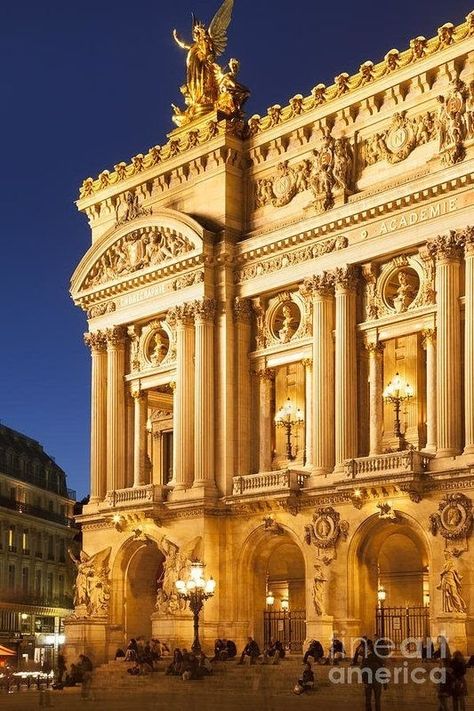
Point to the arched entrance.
(390, 587)
(276, 565)
(136, 572)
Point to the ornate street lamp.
(289, 416)
(196, 591)
(381, 597)
(269, 596)
(396, 392)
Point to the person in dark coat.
(306, 680)
(459, 686)
(314, 650)
(370, 665)
(251, 650)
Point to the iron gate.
(399, 623)
(288, 627)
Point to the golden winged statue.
(208, 87)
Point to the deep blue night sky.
(87, 84)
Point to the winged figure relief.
(205, 80)
(92, 580)
(174, 567)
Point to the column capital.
(137, 394)
(318, 285)
(469, 241)
(204, 310)
(446, 248)
(242, 309)
(181, 315)
(96, 340)
(346, 278)
(375, 347)
(265, 374)
(115, 336)
(428, 335)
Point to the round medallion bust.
(401, 289)
(158, 347)
(286, 321)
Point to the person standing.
(85, 666)
(459, 686)
(371, 666)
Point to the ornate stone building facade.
(36, 530)
(251, 290)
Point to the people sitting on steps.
(251, 652)
(305, 681)
(273, 652)
(315, 650)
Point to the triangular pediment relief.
(138, 249)
(169, 242)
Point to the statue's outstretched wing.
(219, 25)
(191, 551)
(100, 560)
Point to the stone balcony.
(405, 463)
(136, 496)
(283, 481)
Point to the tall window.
(11, 576)
(167, 439)
(26, 541)
(25, 580)
(38, 581)
(49, 586)
(11, 539)
(62, 551)
(61, 586)
(50, 547)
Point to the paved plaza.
(231, 688)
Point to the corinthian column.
(429, 344)
(183, 416)
(139, 437)
(115, 408)
(308, 399)
(242, 319)
(204, 314)
(469, 342)
(266, 377)
(447, 252)
(375, 397)
(346, 365)
(322, 402)
(98, 345)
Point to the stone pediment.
(167, 242)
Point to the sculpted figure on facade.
(453, 123)
(176, 559)
(451, 586)
(208, 87)
(319, 585)
(137, 250)
(130, 209)
(92, 587)
(332, 172)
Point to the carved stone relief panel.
(152, 346)
(403, 284)
(284, 318)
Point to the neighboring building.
(36, 530)
(312, 254)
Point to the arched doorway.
(390, 586)
(136, 572)
(277, 565)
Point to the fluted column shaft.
(322, 375)
(266, 378)
(115, 408)
(346, 366)
(98, 346)
(308, 424)
(448, 371)
(469, 344)
(184, 401)
(375, 397)
(242, 318)
(429, 343)
(139, 437)
(204, 313)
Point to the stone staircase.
(233, 680)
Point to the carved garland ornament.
(400, 139)
(137, 250)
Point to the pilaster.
(140, 436)
(375, 350)
(447, 253)
(98, 345)
(204, 439)
(469, 342)
(345, 279)
(115, 408)
(183, 412)
(243, 320)
(429, 344)
(266, 377)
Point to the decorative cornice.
(344, 84)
